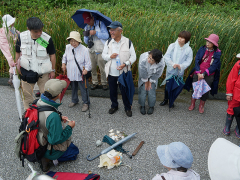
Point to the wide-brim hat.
(8, 20)
(175, 155)
(213, 38)
(224, 160)
(238, 55)
(75, 35)
(55, 86)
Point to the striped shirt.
(82, 57)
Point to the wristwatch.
(53, 70)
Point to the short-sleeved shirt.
(50, 48)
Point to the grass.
(146, 29)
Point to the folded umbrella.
(78, 18)
(126, 80)
(174, 87)
(200, 88)
(65, 78)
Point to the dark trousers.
(113, 87)
(209, 80)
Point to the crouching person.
(177, 158)
(53, 129)
(150, 68)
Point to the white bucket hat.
(238, 55)
(75, 35)
(224, 160)
(8, 20)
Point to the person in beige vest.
(120, 55)
(54, 128)
(37, 59)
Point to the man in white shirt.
(119, 47)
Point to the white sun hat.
(238, 55)
(8, 20)
(224, 160)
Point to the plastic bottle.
(115, 159)
(118, 61)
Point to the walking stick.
(85, 80)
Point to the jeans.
(142, 93)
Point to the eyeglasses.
(113, 30)
(73, 41)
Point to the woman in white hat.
(77, 55)
(8, 36)
(177, 158)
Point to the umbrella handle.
(88, 157)
(84, 77)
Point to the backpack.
(27, 146)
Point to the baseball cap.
(175, 155)
(87, 17)
(55, 86)
(115, 25)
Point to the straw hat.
(8, 20)
(224, 160)
(213, 38)
(75, 35)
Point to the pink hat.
(86, 17)
(213, 38)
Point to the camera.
(90, 42)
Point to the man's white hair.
(119, 28)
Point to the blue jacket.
(214, 67)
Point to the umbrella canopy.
(110, 141)
(78, 18)
(174, 87)
(126, 80)
(200, 88)
(16, 84)
(65, 78)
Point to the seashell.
(113, 137)
(99, 143)
(111, 134)
(118, 132)
(111, 131)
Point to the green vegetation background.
(148, 23)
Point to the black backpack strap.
(163, 177)
(49, 108)
(109, 39)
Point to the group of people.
(36, 60)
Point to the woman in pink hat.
(207, 67)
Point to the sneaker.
(105, 87)
(129, 113)
(142, 110)
(112, 110)
(94, 86)
(72, 104)
(150, 110)
(45, 164)
(84, 107)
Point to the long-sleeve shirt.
(82, 57)
(102, 34)
(115, 49)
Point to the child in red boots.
(233, 97)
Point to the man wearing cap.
(95, 35)
(121, 47)
(51, 125)
(8, 35)
(38, 58)
(177, 158)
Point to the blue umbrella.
(126, 81)
(78, 18)
(174, 87)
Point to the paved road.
(198, 131)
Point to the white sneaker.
(85, 107)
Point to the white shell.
(118, 132)
(111, 134)
(99, 143)
(113, 137)
(111, 131)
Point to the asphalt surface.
(197, 131)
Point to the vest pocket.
(41, 51)
(24, 49)
(45, 66)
